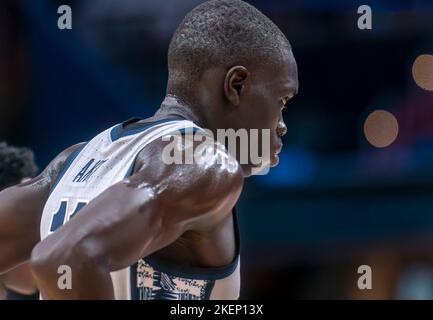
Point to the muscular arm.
(21, 208)
(133, 219)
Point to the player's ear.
(235, 84)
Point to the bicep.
(143, 214)
(114, 229)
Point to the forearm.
(83, 278)
(93, 244)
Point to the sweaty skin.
(182, 213)
(134, 218)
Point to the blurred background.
(355, 181)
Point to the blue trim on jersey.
(182, 131)
(190, 130)
(133, 281)
(198, 273)
(131, 168)
(209, 290)
(118, 131)
(66, 165)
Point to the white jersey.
(106, 160)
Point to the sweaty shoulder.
(191, 174)
(49, 175)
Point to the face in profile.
(262, 103)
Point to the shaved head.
(231, 67)
(222, 33)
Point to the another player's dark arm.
(132, 219)
(21, 208)
(20, 280)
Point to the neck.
(173, 105)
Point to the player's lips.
(276, 159)
(278, 149)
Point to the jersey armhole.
(66, 165)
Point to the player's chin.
(252, 169)
(275, 160)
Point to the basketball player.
(16, 165)
(128, 225)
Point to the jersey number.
(60, 215)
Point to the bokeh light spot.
(422, 71)
(381, 128)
